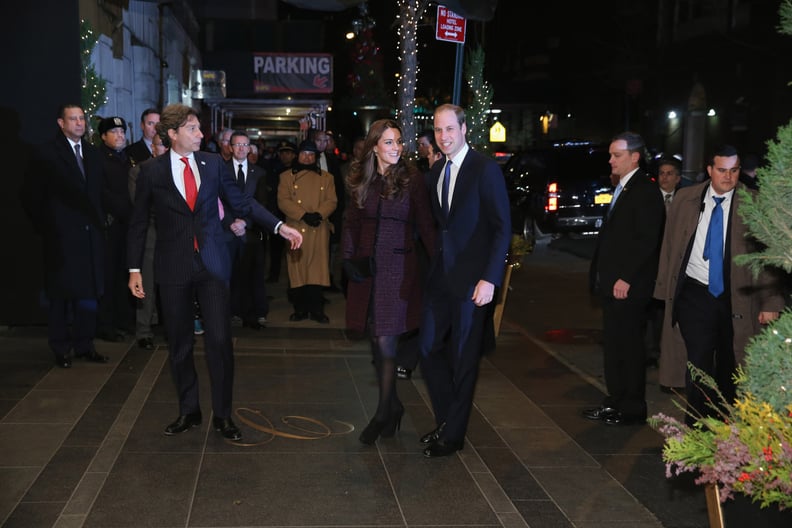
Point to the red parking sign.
(450, 26)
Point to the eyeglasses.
(240, 145)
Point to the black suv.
(563, 188)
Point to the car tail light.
(552, 197)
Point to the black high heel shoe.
(372, 431)
(393, 424)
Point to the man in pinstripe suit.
(191, 258)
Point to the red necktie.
(190, 190)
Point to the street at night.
(400, 263)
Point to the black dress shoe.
(146, 343)
(599, 413)
(618, 418)
(63, 361)
(226, 428)
(403, 373)
(183, 423)
(298, 316)
(433, 436)
(320, 317)
(442, 448)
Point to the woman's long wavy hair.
(364, 171)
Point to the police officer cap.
(109, 123)
(286, 145)
(308, 146)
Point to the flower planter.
(740, 512)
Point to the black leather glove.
(312, 219)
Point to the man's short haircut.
(240, 133)
(673, 162)
(62, 109)
(635, 143)
(429, 135)
(723, 151)
(171, 118)
(148, 111)
(460, 113)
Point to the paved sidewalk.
(84, 447)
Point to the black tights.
(384, 351)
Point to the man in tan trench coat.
(716, 326)
(307, 196)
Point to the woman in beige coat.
(307, 196)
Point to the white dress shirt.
(177, 169)
(456, 163)
(697, 267)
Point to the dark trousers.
(146, 308)
(80, 314)
(451, 348)
(308, 299)
(178, 308)
(248, 280)
(276, 243)
(706, 326)
(623, 323)
(654, 328)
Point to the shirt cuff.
(132, 270)
(277, 227)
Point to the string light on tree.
(407, 31)
(94, 87)
(480, 100)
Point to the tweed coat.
(307, 191)
(388, 229)
(66, 209)
(749, 296)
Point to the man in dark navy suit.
(471, 207)
(142, 149)
(623, 271)
(62, 195)
(191, 258)
(248, 279)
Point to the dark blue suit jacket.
(177, 225)
(628, 246)
(255, 187)
(474, 240)
(66, 210)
